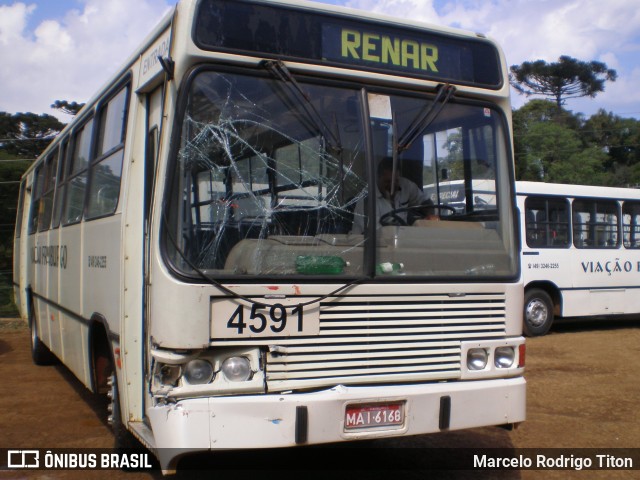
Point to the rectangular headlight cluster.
(492, 358)
(220, 371)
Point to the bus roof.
(568, 190)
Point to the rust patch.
(118, 359)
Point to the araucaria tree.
(566, 78)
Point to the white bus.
(580, 252)
(185, 243)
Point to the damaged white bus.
(187, 243)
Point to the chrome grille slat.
(413, 306)
(323, 365)
(342, 339)
(454, 366)
(433, 317)
(375, 329)
(372, 347)
(366, 353)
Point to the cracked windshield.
(276, 176)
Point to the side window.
(18, 230)
(631, 224)
(547, 222)
(106, 170)
(46, 201)
(595, 223)
(61, 188)
(36, 193)
(76, 182)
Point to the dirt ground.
(583, 390)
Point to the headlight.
(237, 369)
(477, 358)
(505, 356)
(169, 374)
(198, 372)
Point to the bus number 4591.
(262, 316)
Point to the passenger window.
(46, 201)
(18, 229)
(595, 223)
(106, 171)
(36, 193)
(77, 182)
(61, 187)
(547, 222)
(631, 224)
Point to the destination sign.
(369, 47)
(287, 32)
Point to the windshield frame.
(369, 255)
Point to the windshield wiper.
(419, 124)
(424, 119)
(282, 73)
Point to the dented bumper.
(268, 421)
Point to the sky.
(66, 49)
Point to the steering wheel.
(393, 217)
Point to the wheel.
(123, 439)
(538, 313)
(40, 353)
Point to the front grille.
(392, 339)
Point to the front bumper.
(283, 420)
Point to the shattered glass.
(271, 180)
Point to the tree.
(619, 138)
(585, 167)
(70, 108)
(543, 135)
(26, 135)
(9, 128)
(566, 78)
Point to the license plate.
(359, 416)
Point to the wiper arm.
(282, 73)
(424, 119)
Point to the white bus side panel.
(52, 273)
(605, 282)
(591, 282)
(73, 329)
(101, 265)
(42, 263)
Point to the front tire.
(538, 313)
